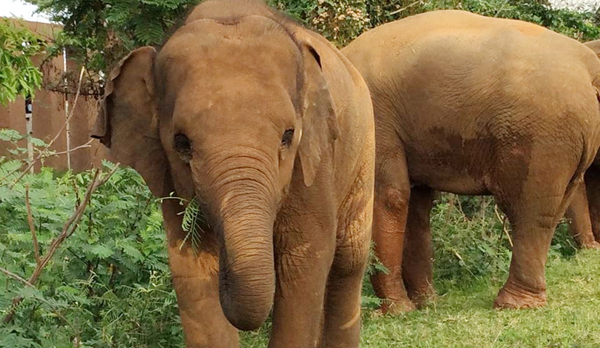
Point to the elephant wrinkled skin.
(584, 210)
(271, 129)
(475, 105)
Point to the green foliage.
(471, 241)
(99, 32)
(18, 75)
(339, 21)
(108, 285)
(191, 222)
(342, 21)
(468, 243)
(578, 25)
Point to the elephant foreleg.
(341, 326)
(196, 283)
(417, 263)
(302, 261)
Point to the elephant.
(476, 106)
(271, 130)
(584, 210)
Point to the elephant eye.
(288, 136)
(183, 146)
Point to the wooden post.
(29, 130)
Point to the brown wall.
(49, 115)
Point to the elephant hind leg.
(580, 223)
(592, 183)
(417, 261)
(534, 216)
(392, 193)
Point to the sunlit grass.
(463, 315)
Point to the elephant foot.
(394, 307)
(423, 297)
(591, 245)
(519, 299)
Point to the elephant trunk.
(247, 273)
(243, 214)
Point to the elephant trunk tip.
(247, 288)
(244, 318)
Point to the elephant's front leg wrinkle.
(302, 267)
(344, 287)
(389, 223)
(196, 283)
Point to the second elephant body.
(476, 106)
(584, 211)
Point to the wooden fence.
(50, 110)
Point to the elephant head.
(232, 111)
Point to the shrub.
(108, 284)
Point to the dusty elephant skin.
(475, 105)
(272, 130)
(584, 210)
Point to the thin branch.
(72, 110)
(86, 145)
(405, 8)
(76, 190)
(44, 155)
(36, 245)
(503, 221)
(501, 8)
(15, 277)
(68, 229)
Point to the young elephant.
(271, 129)
(476, 106)
(584, 210)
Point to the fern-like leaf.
(192, 218)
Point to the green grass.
(463, 315)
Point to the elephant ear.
(319, 120)
(127, 120)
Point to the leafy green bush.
(99, 32)
(18, 75)
(471, 241)
(108, 284)
(342, 21)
